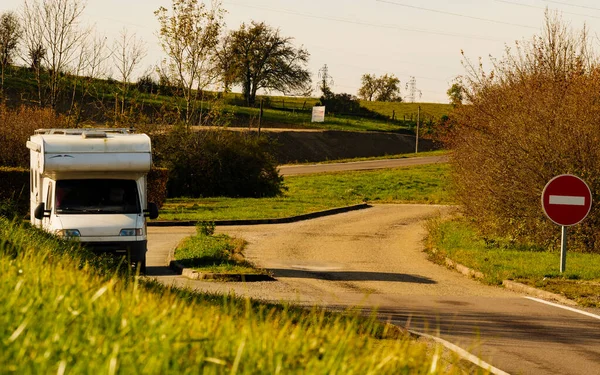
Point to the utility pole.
(417, 138)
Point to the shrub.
(534, 117)
(341, 103)
(14, 192)
(16, 125)
(217, 163)
(157, 185)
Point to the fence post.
(260, 115)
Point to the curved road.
(291, 170)
(373, 258)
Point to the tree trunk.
(246, 92)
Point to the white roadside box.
(90, 185)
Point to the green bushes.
(217, 163)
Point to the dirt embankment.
(315, 146)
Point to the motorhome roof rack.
(86, 130)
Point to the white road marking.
(567, 200)
(565, 307)
(463, 353)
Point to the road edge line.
(462, 353)
(588, 314)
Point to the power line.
(362, 23)
(455, 14)
(571, 5)
(536, 7)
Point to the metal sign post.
(566, 200)
(563, 249)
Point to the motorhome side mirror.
(40, 211)
(152, 211)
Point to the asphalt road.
(291, 170)
(373, 259)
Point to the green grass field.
(63, 311)
(279, 111)
(310, 193)
(500, 260)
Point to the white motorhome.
(90, 185)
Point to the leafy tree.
(388, 89)
(368, 88)
(385, 88)
(262, 58)
(455, 93)
(10, 34)
(189, 34)
(225, 63)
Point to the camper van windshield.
(97, 196)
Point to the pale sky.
(407, 38)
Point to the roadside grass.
(62, 313)
(311, 193)
(384, 157)
(499, 259)
(219, 254)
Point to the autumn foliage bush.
(534, 116)
(157, 185)
(16, 125)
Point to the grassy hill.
(96, 101)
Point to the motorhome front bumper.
(136, 250)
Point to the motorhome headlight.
(69, 233)
(131, 232)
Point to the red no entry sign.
(566, 200)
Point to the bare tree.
(53, 27)
(34, 46)
(128, 52)
(189, 34)
(89, 65)
(10, 34)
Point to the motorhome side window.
(97, 196)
